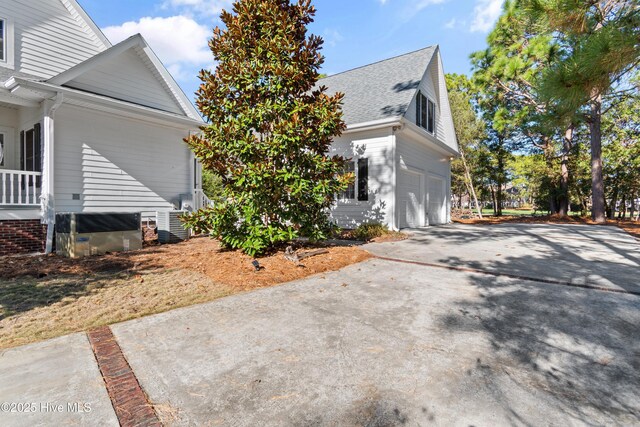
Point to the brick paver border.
(129, 401)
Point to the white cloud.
(178, 41)
(413, 7)
(200, 7)
(332, 37)
(485, 14)
(451, 24)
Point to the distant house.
(401, 140)
(84, 126)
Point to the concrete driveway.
(387, 343)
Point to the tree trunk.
(597, 181)
(548, 156)
(563, 202)
(611, 209)
(472, 189)
(632, 209)
(494, 199)
(501, 179)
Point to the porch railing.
(202, 201)
(20, 188)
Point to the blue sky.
(356, 32)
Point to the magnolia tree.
(268, 129)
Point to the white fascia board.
(106, 104)
(375, 124)
(98, 32)
(9, 98)
(178, 93)
(429, 139)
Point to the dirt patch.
(46, 296)
(631, 227)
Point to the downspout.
(47, 197)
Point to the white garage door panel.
(410, 199)
(436, 194)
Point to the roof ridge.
(379, 62)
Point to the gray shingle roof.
(380, 90)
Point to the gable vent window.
(425, 113)
(3, 39)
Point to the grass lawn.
(47, 296)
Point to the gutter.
(372, 125)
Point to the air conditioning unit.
(170, 228)
(84, 234)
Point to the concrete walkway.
(385, 343)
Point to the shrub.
(370, 231)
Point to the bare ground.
(46, 296)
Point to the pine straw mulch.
(47, 296)
(631, 227)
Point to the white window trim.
(8, 60)
(342, 197)
(435, 114)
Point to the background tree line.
(551, 115)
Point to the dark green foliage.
(268, 129)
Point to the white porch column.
(48, 177)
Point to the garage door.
(436, 196)
(410, 199)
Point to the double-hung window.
(350, 192)
(362, 181)
(425, 113)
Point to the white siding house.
(401, 140)
(85, 126)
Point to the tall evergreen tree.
(511, 66)
(269, 129)
(602, 40)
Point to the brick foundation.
(22, 236)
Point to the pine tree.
(602, 45)
(269, 129)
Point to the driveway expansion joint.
(127, 397)
(509, 275)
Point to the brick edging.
(129, 401)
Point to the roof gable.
(383, 90)
(129, 71)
